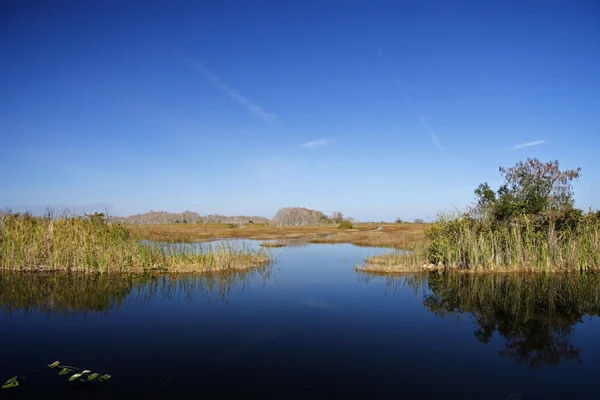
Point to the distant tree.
(418, 221)
(298, 216)
(530, 187)
(163, 217)
(337, 217)
(399, 221)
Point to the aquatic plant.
(84, 375)
(10, 383)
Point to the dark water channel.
(309, 327)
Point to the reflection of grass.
(91, 244)
(391, 235)
(535, 313)
(65, 293)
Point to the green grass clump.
(524, 243)
(345, 224)
(91, 244)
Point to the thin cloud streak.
(431, 132)
(314, 143)
(422, 120)
(528, 144)
(255, 109)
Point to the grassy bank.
(90, 244)
(526, 243)
(390, 235)
(477, 245)
(529, 224)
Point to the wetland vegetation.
(92, 244)
(528, 224)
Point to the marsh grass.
(469, 244)
(523, 245)
(391, 235)
(90, 244)
(273, 244)
(409, 260)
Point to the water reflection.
(62, 293)
(535, 315)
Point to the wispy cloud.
(528, 144)
(314, 143)
(409, 100)
(431, 132)
(255, 109)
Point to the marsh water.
(307, 327)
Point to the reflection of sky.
(313, 324)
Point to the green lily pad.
(54, 364)
(105, 377)
(79, 375)
(93, 376)
(10, 383)
(64, 371)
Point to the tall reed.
(91, 244)
(523, 244)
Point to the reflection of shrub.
(534, 313)
(345, 224)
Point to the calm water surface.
(309, 327)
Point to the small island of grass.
(529, 224)
(91, 244)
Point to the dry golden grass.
(398, 262)
(390, 235)
(89, 244)
(273, 244)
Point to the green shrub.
(345, 224)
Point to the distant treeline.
(290, 216)
(189, 217)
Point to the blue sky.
(378, 109)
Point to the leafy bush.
(345, 224)
(530, 223)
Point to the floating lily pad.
(105, 377)
(54, 364)
(64, 371)
(79, 375)
(10, 383)
(93, 376)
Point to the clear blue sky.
(376, 109)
